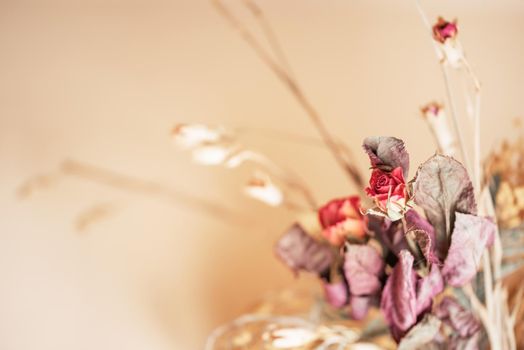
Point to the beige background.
(104, 82)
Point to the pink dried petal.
(336, 294)
(359, 306)
(363, 266)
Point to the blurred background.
(104, 82)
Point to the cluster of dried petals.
(414, 260)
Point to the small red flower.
(341, 218)
(444, 30)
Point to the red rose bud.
(388, 189)
(444, 30)
(341, 218)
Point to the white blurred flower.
(438, 122)
(211, 154)
(292, 338)
(193, 135)
(262, 188)
(241, 157)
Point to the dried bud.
(438, 123)
(445, 34)
(262, 188)
(444, 30)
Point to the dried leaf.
(399, 299)
(425, 243)
(421, 334)
(457, 317)
(387, 153)
(442, 187)
(300, 251)
(469, 239)
(427, 288)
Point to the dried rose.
(444, 30)
(341, 218)
(388, 189)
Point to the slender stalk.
(484, 317)
(454, 117)
(127, 183)
(293, 87)
(270, 35)
(488, 282)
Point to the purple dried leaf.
(442, 187)
(387, 153)
(336, 293)
(457, 317)
(300, 251)
(399, 299)
(363, 266)
(427, 288)
(423, 333)
(359, 306)
(470, 237)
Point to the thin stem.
(488, 282)
(483, 315)
(128, 183)
(270, 35)
(293, 87)
(454, 117)
(280, 135)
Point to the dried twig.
(293, 87)
(132, 184)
